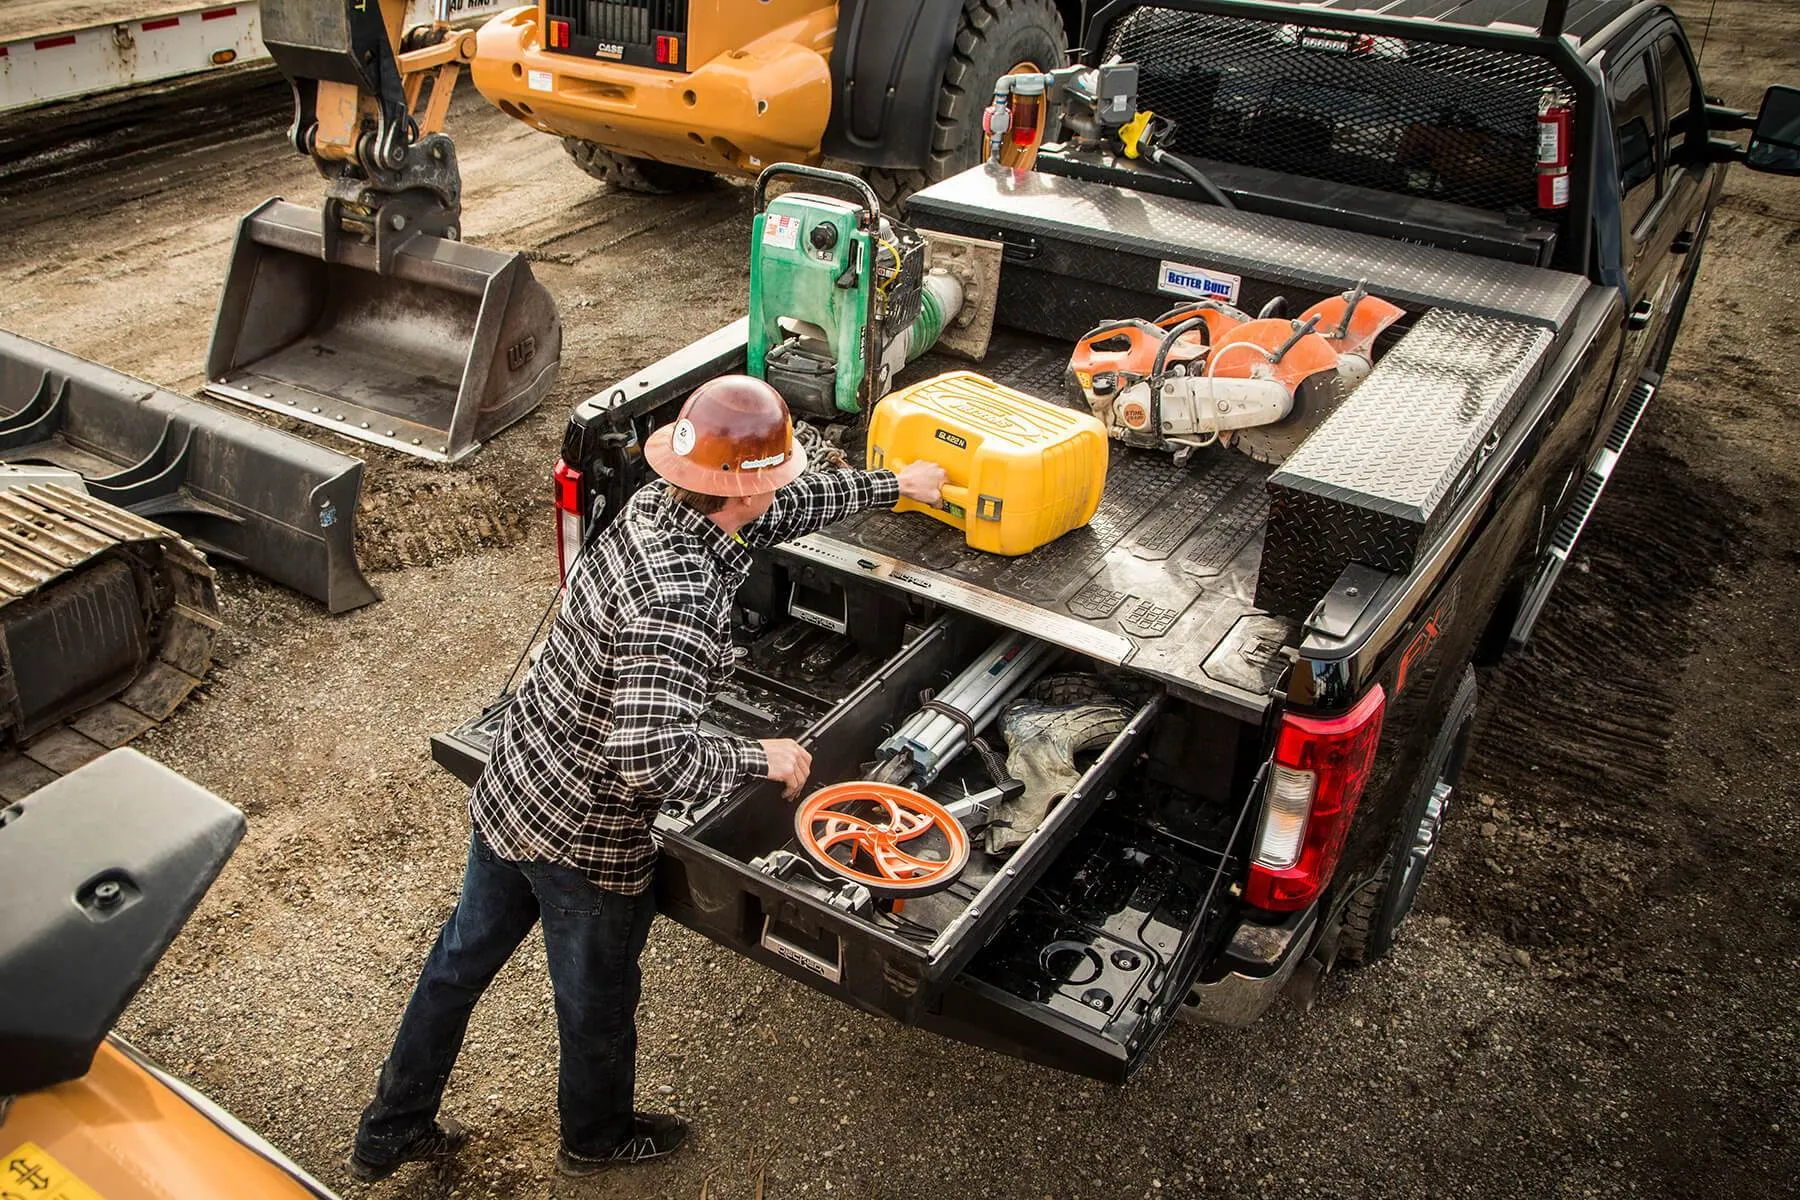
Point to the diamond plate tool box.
(1376, 481)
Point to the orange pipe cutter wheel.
(881, 835)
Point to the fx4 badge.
(1417, 650)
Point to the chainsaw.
(1207, 373)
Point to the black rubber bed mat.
(1169, 561)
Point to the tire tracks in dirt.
(1592, 695)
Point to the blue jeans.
(593, 939)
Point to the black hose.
(1193, 174)
(991, 762)
(587, 539)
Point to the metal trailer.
(52, 52)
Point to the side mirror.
(1775, 142)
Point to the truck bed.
(1162, 577)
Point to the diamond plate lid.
(1274, 249)
(1415, 427)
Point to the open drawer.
(716, 873)
(1093, 965)
(791, 672)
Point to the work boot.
(442, 1140)
(653, 1135)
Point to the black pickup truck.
(1298, 644)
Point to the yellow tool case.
(1023, 472)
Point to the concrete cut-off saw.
(1207, 372)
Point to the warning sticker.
(539, 81)
(31, 1171)
(782, 232)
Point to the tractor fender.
(887, 66)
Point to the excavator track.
(106, 625)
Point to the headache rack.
(1419, 106)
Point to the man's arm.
(660, 688)
(818, 498)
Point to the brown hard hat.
(733, 438)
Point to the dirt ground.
(1595, 997)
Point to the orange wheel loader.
(658, 95)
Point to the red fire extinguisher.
(1553, 150)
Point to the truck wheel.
(992, 37)
(1377, 909)
(629, 174)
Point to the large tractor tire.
(628, 174)
(993, 38)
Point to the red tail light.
(668, 49)
(559, 35)
(567, 481)
(1315, 782)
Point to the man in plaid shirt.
(602, 733)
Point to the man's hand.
(789, 764)
(923, 481)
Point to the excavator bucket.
(246, 494)
(427, 346)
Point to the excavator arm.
(357, 78)
(369, 315)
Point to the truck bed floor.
(1165, 571)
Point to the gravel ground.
(1593, 999)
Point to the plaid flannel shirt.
(605, 727)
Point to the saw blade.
(1314, 401)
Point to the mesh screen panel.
(1449, 123)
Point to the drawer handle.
(824, 968)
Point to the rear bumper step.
(1587, 498)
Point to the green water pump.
(840, 298)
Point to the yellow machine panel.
(124, 1132)
(757, 88)
(1023, 472)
